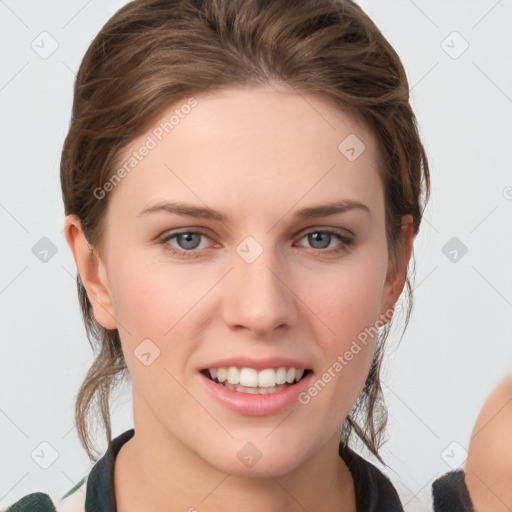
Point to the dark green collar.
(374, 491)
(100, 496)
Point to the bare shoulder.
(489, 464)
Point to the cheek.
(151, 298)
(160, 301)
(348, 299)
(349, 307)
(142, 301)
(154, 304)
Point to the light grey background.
(457, 346)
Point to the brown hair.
(152, 53)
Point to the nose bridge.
(258, 298)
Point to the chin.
(258, 457)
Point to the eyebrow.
(189, 210)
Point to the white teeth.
(233, 375)
(253, 391)
(281, 376)
(222, 374)
(244, 389)
(252, 378)
(248, 377)
(267, 378)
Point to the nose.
(258, 297)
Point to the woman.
(242, 183)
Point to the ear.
(92, 273)
(397, 269)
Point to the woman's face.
(271, 253)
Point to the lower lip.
(257, 405)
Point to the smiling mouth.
(251, 381)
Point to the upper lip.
(257, 364)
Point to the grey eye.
(186, 240)
(319, 239)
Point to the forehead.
(249, 148)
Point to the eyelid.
(345, 239)
(328, 229)
(302, 233)
(173, 234)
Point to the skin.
(488, 469)
(258, 155)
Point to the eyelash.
(345, 241)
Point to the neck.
(144, 479)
